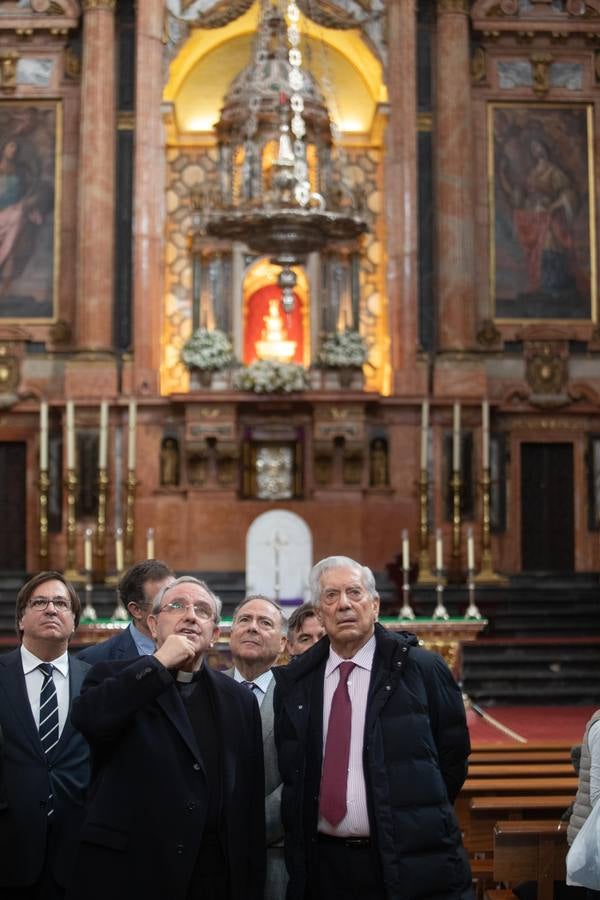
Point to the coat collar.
(390, 648)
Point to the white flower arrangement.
(343, 349)
(267, 377)
(208, 350)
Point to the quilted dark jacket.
(416, 746)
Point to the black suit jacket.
(28, 781)
(148, 793)
(121, 646)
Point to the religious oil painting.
(30, 136)
(543, 245)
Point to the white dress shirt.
(34, 679)
(356, 821)
(261, 683)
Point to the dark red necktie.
(334, 779)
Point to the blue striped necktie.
(48, 728)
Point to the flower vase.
(202, 378)
(346, 376)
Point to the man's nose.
(344, 600)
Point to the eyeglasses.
(176, 608)
(40, 604)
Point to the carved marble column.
(454, 177)
(148, 198)
(402, 197)
(96, 192)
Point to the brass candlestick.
(440, 612)
(129, 516)
(487, 573)
(101, 522)
(472, 611)
(425, 575)
(71, 573)
(44, 487)
(88, 612)
(406, 610)
(455, 557)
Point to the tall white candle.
(424, 433)
(103, 443)
(405, 551)
(439, 550)
(470, 550)
(456, 438)
(119, 549)
(485, 434)
(70, 434)
(131, 441)
(87, 550)
(44, 436)
(150, 543)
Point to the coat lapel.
(12, 681)
(172, 705)
(77, 672)
(266, 712)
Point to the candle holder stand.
(44, 488)
(455, 573)
(130, 486)
(472, 611)
(440, 612)
(406, 610)
(425, 575)
(88, 612)
(487, 575)
(103, 483)
(70, 572)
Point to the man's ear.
(152, 623)
(134, 610)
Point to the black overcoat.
(415, 751)
(148, 792)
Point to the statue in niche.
(378, 471)
(169, 462)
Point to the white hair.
(187, 579)
(338, 562)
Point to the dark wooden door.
(547, 508)
(13, 506)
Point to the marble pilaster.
(95, 239)
(148, 198)
(454, 178)
(402, 198)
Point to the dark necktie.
(251, 686)
(334, 779)
(48, 727)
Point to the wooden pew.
(514, 770)
(484, 812)
(520, 756)
(480, 787)
(530, 851)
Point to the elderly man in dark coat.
(373, 748)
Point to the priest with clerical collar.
(168, 728)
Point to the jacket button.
(196, 767)
(388, 687)
(300, 706)
(191, 805)
(404, 649)
(179, 849)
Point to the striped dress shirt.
(356, 821)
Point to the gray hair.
(187, 579)
(273, 603)
(339, 562)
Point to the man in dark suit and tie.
(257, 639)
(137, 589)
(45, 761)
(175, 810)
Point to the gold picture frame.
(30, 204)
(542, 212)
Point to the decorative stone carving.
(546, 367)
(488, 335)
(227, 460)
(479, 66)
(8, 71)
(354, 454)
(540, 64)
(323, 463)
